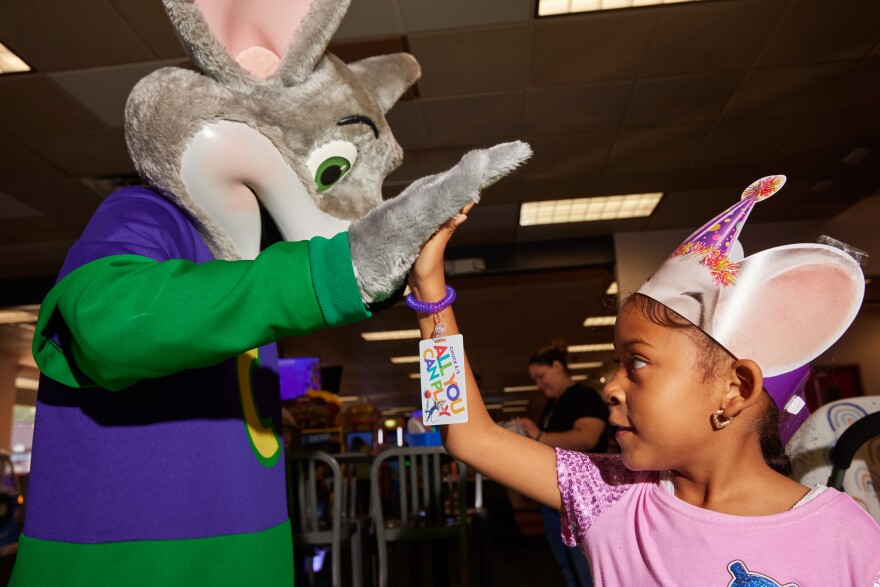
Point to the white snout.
(226, 164)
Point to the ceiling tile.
(151, 24)
(468, 62)
(475, 119)
(568, 152)
(430, 15)
(681, 100)
(488, 225)
(577, 109)
(705, 37)
(69, 202)
(36, 229)
(638, 180)
(85, 154)
(104, 91)
(779, 91)
(577, 183)
(11, 208)
(860, 89)
(33, 105)
(748, 139)
(83, 35)
(32, 259)
(836, 132)
(689, 209)
(819, 30)
(376, 18)
(589, 48)
(671, 145)
(407, 124)
(18, 165)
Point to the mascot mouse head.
(271, 137)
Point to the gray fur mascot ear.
(157, 458)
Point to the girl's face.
(550, 379)
(658, 397)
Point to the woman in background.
(574, 418)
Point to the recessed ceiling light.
(552, 7)
(17, 317)
(588, 209)
(10, 62)
(587, 365)
(600, 321)
(612, 289)
(402, 360)
(591, 348)
(516, 388)
(391, 335)
(28, 383)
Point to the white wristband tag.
(444, 397)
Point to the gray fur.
(400, 69)
(306, 50)
(381, 262)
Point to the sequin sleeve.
(589, 485)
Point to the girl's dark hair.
(556, 351)
(713, 357)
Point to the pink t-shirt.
(635, 532)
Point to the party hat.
(781, 307)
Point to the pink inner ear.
(254, 30)
(795, 316)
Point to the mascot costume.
(157, 458)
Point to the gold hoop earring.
(719, 420)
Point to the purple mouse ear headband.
(781, 307)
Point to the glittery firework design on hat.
(781, 307)
(714, 241)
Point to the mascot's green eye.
(329, 163)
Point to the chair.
(315, 502)
(824, 451)
(413, 498)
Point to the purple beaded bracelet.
(431, 307)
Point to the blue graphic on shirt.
(743, 578)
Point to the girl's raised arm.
(515, 461)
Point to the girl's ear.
(387, 77)
(789, 305)
(745, 387)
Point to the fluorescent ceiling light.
(493, 406)
(512, 410)
(588, 209)
(28, 383)
(10, 62)
(551, 7)
(516, 388)
(400, 410)
(600, 321)
(401, 360)
(16, 317)
(516, 402)
(591, 348)
(349, 398)
(391, 335)
(578, 377)
(587, 365)
(612, 289)
(415, 375)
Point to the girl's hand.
(427, 279)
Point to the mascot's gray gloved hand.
(385, 242)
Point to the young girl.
(693, 499)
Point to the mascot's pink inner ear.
(255, 32)
(798, 314)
